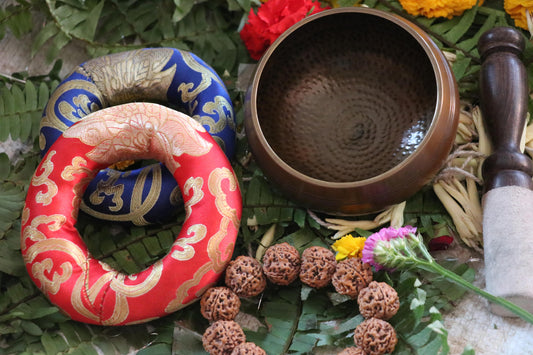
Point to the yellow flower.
(122, 165)
(349, 247)
(438, 8)
(517, 10)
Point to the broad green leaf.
(59, 41)
(53, 344)
(69, 17)
(87, 30)
(44, 35)
(462, 26)
(182, 9)
(471, 42)
(31, 328)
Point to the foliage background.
(295, 319)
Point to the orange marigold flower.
(517, 9)
(438, 8)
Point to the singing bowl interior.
(342, 100)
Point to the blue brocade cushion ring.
(169, 76)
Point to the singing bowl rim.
(444, 122)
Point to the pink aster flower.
(373, 249)
(397, 248)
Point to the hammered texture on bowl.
(352, 110)
(346, 100)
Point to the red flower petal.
(272, 19)
(440, 243)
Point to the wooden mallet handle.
(504, 97)
(508, 195)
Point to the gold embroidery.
(221, 257)
(175, 196)
(218, 259)
(76, 300)
(187, 90)
(181, 292)
(194, 184)
(82, 291)
(217, 107)
(51, 286)
(56, 244)
(45, 198)
(138, 207)
(120, 311)
(78, 167)
(25, 215)
(122, 292)
(82, 106)
(140, 130)
(96, 288)
(132, 76)
(199, 232)
(108, 188)
(53, 222)
(119, 286)
(50, 118)
(42, 141)
(215, 187)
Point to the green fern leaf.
(11, 202)
(21, 109)
(19, 106)
(16, 17)
(31, 96)
(77, 21)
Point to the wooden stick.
(504, 97)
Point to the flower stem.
(433, 266)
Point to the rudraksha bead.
(378, 300)
(219, 303)
(245, 277)
(248, 348)
(281, 264)
(375, 336)
(318, 266)
(221, 337)
(351, 276)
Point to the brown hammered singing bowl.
(352, 110)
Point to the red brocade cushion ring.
(56, 257)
